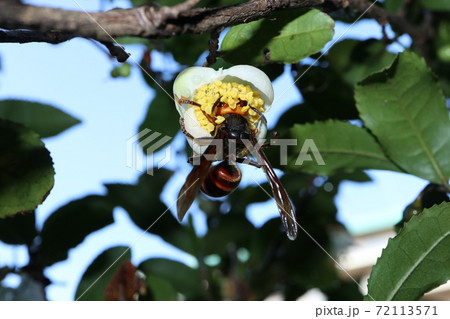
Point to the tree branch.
(149, 21)
(144, 21)
(26, 36)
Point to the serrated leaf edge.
(415, 219)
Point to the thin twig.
(116, 51)
(213, 44)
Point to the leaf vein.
(414, 266)
(416, 131)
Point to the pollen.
(210, 127)
(230, 94)
(219, 119)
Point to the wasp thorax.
(219, 98)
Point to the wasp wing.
(287, 212)
(192, 186)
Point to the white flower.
(206, 85)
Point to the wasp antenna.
(261, 116)
(185, 100)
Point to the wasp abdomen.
(222, 179)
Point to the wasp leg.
(183, 129)
(192, 158)
(273, 141)
(206, 140)
(248, 161)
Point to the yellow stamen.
(210, 127)
(230, 93)
(219, 119)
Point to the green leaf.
(123, 71)
(344, 291)
(237, 40)
(354, 60)
(162, 117)
(393, 6)
(176, 234)
(26, 169)
(437, 5)
(406, 110)
(18, 229)
(288, 38)
(161, 289)
(142, 201)
(127, 40)
(226, 227)
(302, 37)
(186, 49)
(326, 95)
(273, 71)
(44, 119)
(431, 195)
(443, 41)
(416, 260)
(69, 225)
(182, 279)
(99, 274)
(138, 2)
(343, 147)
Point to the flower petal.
(193, 127)
(262, 132)
(190, 79)
(257, 79)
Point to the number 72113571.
(406, 310)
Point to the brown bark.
(52, 25)
(144, 21)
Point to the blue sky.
(74, 76)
